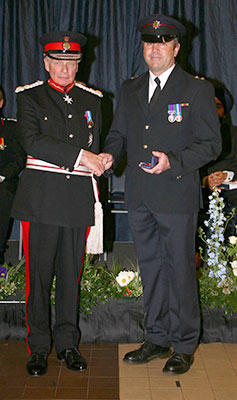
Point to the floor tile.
(73, 380)
(42, 381)
(39, 393)
(134, 393)
(11, 393)
(103, 393)
(102, 382)
(71, 393)
(228, 394)
(195, 394)
(166, 394)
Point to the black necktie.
(155, 94)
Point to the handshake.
(96, 163)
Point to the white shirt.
(163, 79)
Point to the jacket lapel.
(141, 92)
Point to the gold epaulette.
(199, 77)
(8, 119)
(11, 119)
(28, 86)
(134, 77)
(83, 86)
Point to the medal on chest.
(90, 125)
(175, 112)
(2, 144)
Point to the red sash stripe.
(25, 234)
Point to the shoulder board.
(199, 77)
(83, 86)
(11, 119)
(28, 86)
(134, 77)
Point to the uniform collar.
(60, 88)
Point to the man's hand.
(162, 165)
(107, 160)
(93, 162)
(216, 179)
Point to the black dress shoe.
(147, 352)
(37, 364)
(73, 359)
(178, 363)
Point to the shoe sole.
(161, 356)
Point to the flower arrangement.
(218, 276)
(98, 284)
(217, 280)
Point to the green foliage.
(98, 284)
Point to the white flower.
(226, 290)
(233, 239)
(234, 267)
(125, 277)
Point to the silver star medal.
(68, 99)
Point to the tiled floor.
(213, 376)
(99, 382)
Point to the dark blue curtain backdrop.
(114, 52)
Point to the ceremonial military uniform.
(55, 198)
(12, 161)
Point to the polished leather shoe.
(73, 359)
(37, 364)
(178, 363)
(147, 352)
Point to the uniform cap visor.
(63, 55)
(158, 38)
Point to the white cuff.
(78, 159)
(230, 176)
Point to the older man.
(168, 114)
(59, 123)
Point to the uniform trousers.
(165, 246)
(52, 250)
(5, 211)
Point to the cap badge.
(66, 44)
(156, 24)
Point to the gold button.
(145, 146)
(45, 118)
(179, 177)
(71, 136)
(69, 116)
(67, 169)
(68, 176)
(147, 126)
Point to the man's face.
(62, 72)
(160, 56)
(220, 108)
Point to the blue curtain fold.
(114, 50)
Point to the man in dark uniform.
(167, 118)
(12, 161)
(59, 124)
